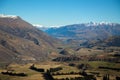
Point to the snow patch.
(8, 16)
(38, 25)
(97, 24)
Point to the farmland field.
(66, 69)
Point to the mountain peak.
(9, 16)
(14, 21)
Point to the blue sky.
(62, 12)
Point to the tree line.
(37, 69)
(14, 74)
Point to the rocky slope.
(20, 41)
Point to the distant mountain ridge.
(85, 31)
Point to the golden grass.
(33, 75)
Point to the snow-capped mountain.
(38, 25)
(85, 31)
(9, 16)
(99, 24)
(44, 28)
(41, 27)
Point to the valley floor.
(67, 71)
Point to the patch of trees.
(55, 69)
(83, 73)
(80, 66)
(104, 59)
(72, 64)
(37, 69)
(14, 74)
(117, 78)
(59, 48)
(106, 77)
(47, 75)
(76, 78)
(68, 73)
(101, 67)
(67, 58)
(117, 55)
(83, 66)
(89, 77)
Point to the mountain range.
(20, 41)
(85, 32)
